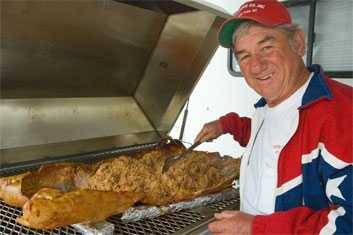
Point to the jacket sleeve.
(239, 127)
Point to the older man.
(296, 174)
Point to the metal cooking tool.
(171, 160)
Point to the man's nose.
(257, 64)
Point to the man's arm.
(231, 123)
(239, 127)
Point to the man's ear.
(299, 42)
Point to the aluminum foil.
(137, 213)
(100, 228)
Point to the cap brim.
(225, 35)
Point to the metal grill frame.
(189, 221)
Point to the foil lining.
(100, 228)
(137, 213)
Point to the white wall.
(216, 94)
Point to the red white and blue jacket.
(314, 183)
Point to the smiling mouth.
(264, 78)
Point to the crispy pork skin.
(63, 176)
(16, 190)
(11, 190)
(51, 208)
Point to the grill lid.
(82, 76)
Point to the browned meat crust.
(11, 190)
(51, 208)
(16, 190)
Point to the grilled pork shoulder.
(197, 174)
(51, 208)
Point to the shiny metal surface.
(36, 127)
(64, 49)
(86, 75)
(53, 151)
(181, 54)
(27, 122)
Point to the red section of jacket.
(239, 127)
(300, 220)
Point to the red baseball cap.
(266, 12)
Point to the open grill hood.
(86, 75)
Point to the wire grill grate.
(163, 225)
(8, 224)
(219, 206)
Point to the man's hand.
(209, 131)
(231, 223)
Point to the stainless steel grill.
(182, 222)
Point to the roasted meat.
(16, 190)
(67, 193)
(51, 208)
(11, 190)
(63, 176)
(197, 174)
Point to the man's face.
(270, 66)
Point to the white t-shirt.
(278, 126)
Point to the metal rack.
(182, 222)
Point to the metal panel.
(183, 50)
(92, 48)
(51, 152)
(89, 75)
(26, 122)
(48, 127)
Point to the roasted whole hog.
(66, 193)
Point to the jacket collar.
(316, 90)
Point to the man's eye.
(266, 48)
(243, 57)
